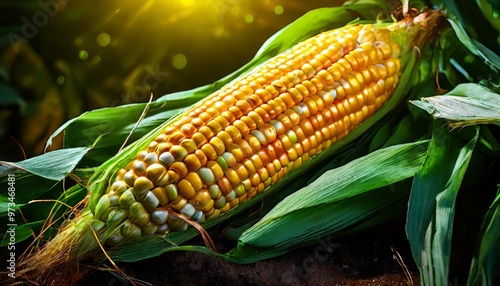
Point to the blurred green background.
(60, 58)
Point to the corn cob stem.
(242, 139)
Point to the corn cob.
(251, 133)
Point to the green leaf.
(335, 202)
(487, 54)
(486, 260)
(432, 204)
(474, 46)
(55, 165)
(463, 36)
(28, 187)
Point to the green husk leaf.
(337, 201)
(339, 183)
(55, 165)
(369, 211)
(28, 187)
(467, 104)
(432, 204)
(486, 261)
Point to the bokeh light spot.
(83, 55)
(96, 59)
(60, 80)
(179, 61)
(278, 9)
(103, 39)
(249, 18)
